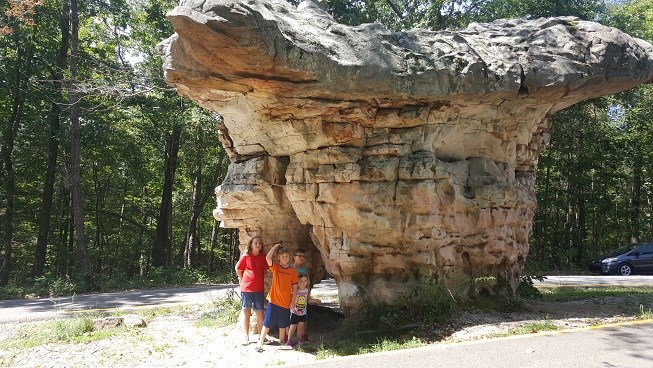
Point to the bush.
(426, 301)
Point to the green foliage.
(54, 286)
(527, 289)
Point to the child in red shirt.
(251, 275)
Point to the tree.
(74, 97)
(54, 119)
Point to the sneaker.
(245, 340)
(259, 347)
(289, 343)
(300, 342)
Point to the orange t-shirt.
(282, 281)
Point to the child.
(298, 313)
(251, 275)
(299, 262)
(281, 297)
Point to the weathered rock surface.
(401, 156)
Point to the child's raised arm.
(268, 257)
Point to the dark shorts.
(295, 319)
(254, 300)
(276, 316)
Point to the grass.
(645, 313)
(329, 349)
(529, 328)
(565, 293)
(71, 330)
(223, 312)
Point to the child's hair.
(283, 250)
(249, 244)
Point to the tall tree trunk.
(214, 235)
(162, 247)
(9, 137)
(636, 199)
(54, 119)
(192, 240)
(200, 197)
(75, 156)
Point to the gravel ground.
(175, 341)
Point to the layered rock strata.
(400, 156)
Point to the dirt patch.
(174, 340)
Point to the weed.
(529, 328)
(645, 313)
(526, 288)
(223, 313)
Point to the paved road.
(626, 345)
(43, 308)
(595, 280)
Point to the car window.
(647, 249)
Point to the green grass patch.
(564, 293)
(341, 347)
(529, 328)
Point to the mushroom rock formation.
(400, 156)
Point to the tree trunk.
(162, 247)
(200, 198)
(54, 119)
(636, 199)
(214, 234)
(192, 240)
(75, 155)
(7, 151)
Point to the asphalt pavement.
(628, 345)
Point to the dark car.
(626, 261)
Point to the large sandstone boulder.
(400, 156)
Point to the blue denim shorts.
(254, 300)
(276, 316)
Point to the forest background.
(107, 175)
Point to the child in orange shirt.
(281, 297)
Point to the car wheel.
(625, 269)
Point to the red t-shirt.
(253, 272)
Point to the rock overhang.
(399, 155)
